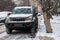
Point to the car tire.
(36, 26)
(9, 31)
(33, 31)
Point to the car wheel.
(33, 31)
(36, 26)
(9, 31)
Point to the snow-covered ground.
(41, 34)
(55, 24)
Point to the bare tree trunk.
(47, 23)
(46, 20)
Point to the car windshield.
(22, 11)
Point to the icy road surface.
(40, 35)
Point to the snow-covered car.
(3, 16)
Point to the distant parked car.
(3, 16)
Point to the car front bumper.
(19, 24)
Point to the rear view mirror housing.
(9, 13)
(35, 12)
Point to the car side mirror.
(36, 13)
(9, 13)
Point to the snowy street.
(40, 35)
(29, 20)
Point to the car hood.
(20, 15)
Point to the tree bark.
(46, 20)
(47, 23)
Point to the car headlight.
(29, 18)
(33, 18)
(8, 19)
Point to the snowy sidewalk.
(42, 35)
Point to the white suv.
(22, 18)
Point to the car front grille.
(18, 19)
